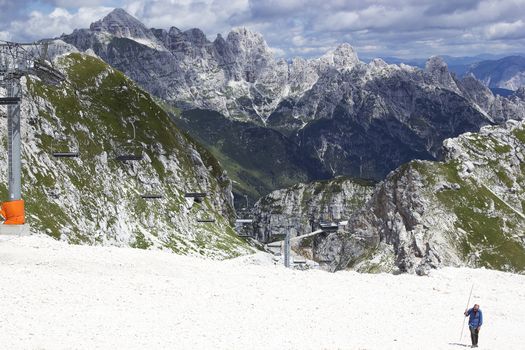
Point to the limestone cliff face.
(466, 211)
(302, 207)
(96, 199)
(355, 119)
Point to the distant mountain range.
(271, 124)
(313, 119)
(502, 74)
(467, 210)
(506, 73)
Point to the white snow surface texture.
(60, 296)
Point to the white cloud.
(5, 35)
(40, 25)
(304, 27)
(279, 53)
(513, 30)
(78, 3)
(211, 16)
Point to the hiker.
(474, 323)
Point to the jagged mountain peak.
(120, 23)
(120, 13)
(345, 49)
(436, 63)
(343, 56)
(473, 84)
(196, 36)
(437, 70)
(378, 63)
(174, 30)
(245, 32)
(238, 76)
(219, 39)
(244, 38)
(520, 93)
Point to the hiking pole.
(463, 322)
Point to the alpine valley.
(319, 118)
(421, 168)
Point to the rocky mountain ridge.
(353, 118)
(97, 199)
(465, 211)
(506, 73)
(302, 207)
(217, 74)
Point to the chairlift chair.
(277, 244)
(244, 235)
(278, 235)
(243, 221)
(299, 260)
(9, 100)
(130, 151)
(205, 220)
(329, 226)
(201, 217)
(239, 224)
(151, 191)
(151, 195)
(61, 149)
(197, 196)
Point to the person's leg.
(472, 330)
(476, 336)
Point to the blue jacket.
(475, 319)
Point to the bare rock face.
(466, 211)
(361, 120)
(343, 57)
(302, 207)
(120, 24)
(96, 198)
(437, 70)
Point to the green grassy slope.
(258, 159)
(97, 200)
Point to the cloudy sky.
(404, 28)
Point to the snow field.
(60, 296)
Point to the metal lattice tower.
(16, 61)
(287, 248)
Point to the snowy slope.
(60, 296)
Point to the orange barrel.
(13, 212)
